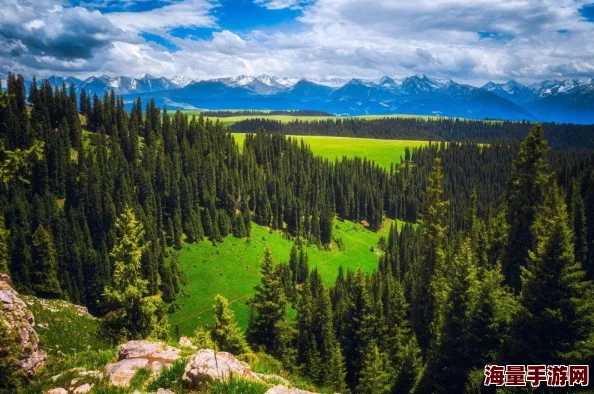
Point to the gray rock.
(121, 373)
(85, 388)
(207, 366)
(153, 351)
(58, 390)
(20, 321)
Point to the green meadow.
(383, 152)
(232, 268)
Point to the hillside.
(232, 268)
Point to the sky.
(468, 41)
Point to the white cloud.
(188, 13)
(530, 40)
(281, 4)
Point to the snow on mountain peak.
(181, 80)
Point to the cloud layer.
(469, 41)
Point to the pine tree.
(268, 326)
(226, 333)
(376, 373)
(427, 275)
(526, 193)
(44, 270)
(556, 319)
(133, 313)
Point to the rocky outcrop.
(287, 390)
(206, 366)
(134, 355)
(20, 321)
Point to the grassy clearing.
(232, 268)
(383, 152)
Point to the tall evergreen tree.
(526, 193)
(225, 332)
(133, 313)
(376, 372)
(427, 275)
(268, 326)
(44, 270)
(556, 319)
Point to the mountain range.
(569, 100)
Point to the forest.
(495, 264)
(558, 135)
(226, 114)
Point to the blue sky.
(526, 40)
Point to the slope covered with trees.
(97, 213)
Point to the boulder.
(287, 390)
(20, 321)
(165, 391)
(152, 351)
(58, 390)
(207, 366)
(140, 354)
(121, 373)
(85, 388)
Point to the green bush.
(170, 378)
(238, 386)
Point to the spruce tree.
(556, 319)
(132, 311)
(268, 326)
(427, 275)
(44, 270)
(225, 332)
(376, 373)
(526, 193)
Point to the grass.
(64, 328)
(383, 152)
(238, 386)
(232, 268)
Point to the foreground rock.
(140, 354)
(287, 390)
(20, 321)
(207, 366)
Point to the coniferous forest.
(494, 264)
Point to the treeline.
(227, 114)
(512, 288)
(559, 136)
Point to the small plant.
(238, 386)
(170, 378)
(267, 364)
(140, 377)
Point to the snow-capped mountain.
(262, 84)
(571, 100)
(542, 89)
(511, 90)
(181, 81)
